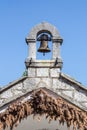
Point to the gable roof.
(42, 101)
(11, 84)
(64, 85)
(70, 79)
(62, 75)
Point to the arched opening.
(44, 46)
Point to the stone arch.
(31, 40)
(41, 28)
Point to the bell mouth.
(44, 50)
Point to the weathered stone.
(31, 72)
(45, 73)
(68, 87)
(68, 94)
(1, 101)
(54, 72)
(56, 84)
(44, 27)
(17, 87)
(17, 92)
(48, 82)
(84, 105)
(78, 96)
(56, 50)
(41, 84)
(30, 83)
(7, 94)
(32, 50)
(42, 72)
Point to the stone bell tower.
(44, 68)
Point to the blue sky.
(17, 17)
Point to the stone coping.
(44, 63)
(70, 79)
(4, 88)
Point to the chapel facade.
(45, 98)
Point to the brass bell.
(44, 43)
